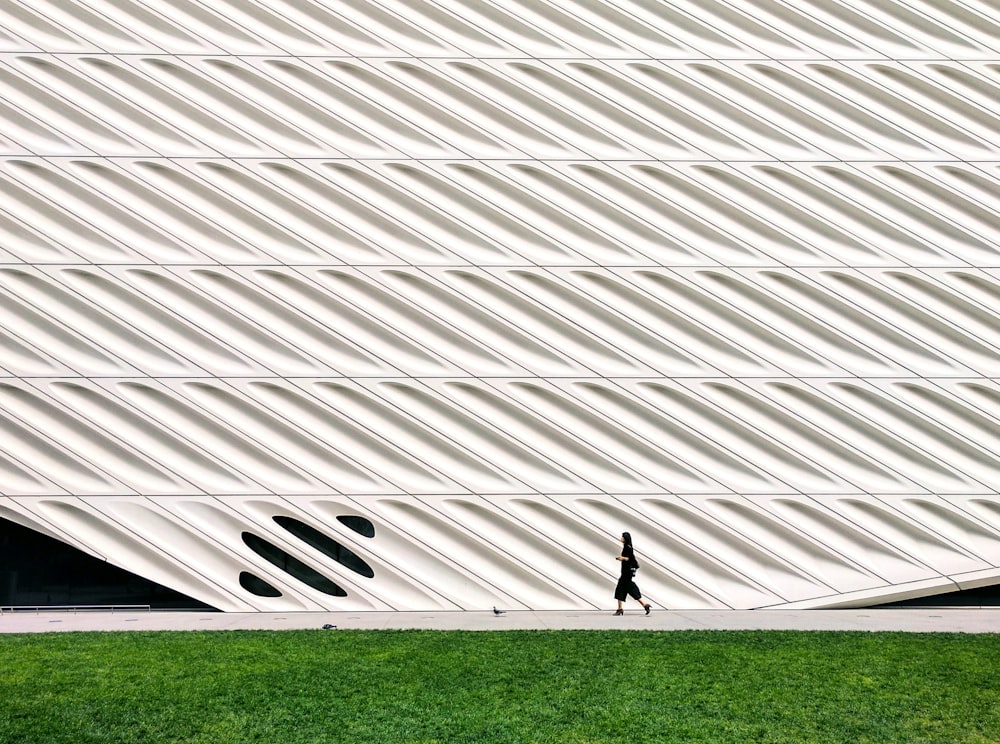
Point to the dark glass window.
(256, 585)
(292, 565)
(37, 570)
(326, 545)
(360, 525)
(983, 596)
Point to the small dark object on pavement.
(498, 612)
(329, 627)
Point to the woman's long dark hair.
(628, 552)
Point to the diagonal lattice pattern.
(408, 305)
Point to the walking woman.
(626, 584)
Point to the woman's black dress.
(626, 584)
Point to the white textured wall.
(506, 278)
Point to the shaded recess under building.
(983, 596)
(37, 570)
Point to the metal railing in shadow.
(75, 609)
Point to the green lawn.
(515, 686)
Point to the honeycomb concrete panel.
(378, 305)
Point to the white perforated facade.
(496, 281)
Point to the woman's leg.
(634, 591)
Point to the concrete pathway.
(908, 620)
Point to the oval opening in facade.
(326, 545)
(292, 565)
(257, 586)
(362, 526)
